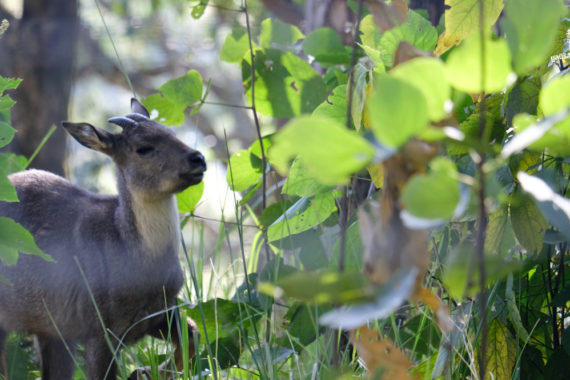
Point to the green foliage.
(13, 239)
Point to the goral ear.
(137, 107)
(90, 136)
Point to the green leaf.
(501, 350)
(463, 66)
(13, 239)
(198, 9)
(416, 30)
(168, 112)
(189, 198)
(235, 46)
(184, 90)
(390, 109)
(8, 83)
(300, 183)
(304, 214)
(244, 170)
(553, 206)
(276, 33)
(460, 277)
(428, 75)
(530, 46)
(523, 97)
(528, 223)
(554, 98)
(6, 134)
(285, 85)
(330, 152)
(335, 106)
(434, 195)
(500, 237)
(389, 296)
(323, 287)
(462, 18)
(326, 46)
(9, 163)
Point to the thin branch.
(257, 125)
(482, 212)
(343, 217)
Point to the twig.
(343, 217)
(482, 212)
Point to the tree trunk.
(41, 48)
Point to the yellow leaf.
(376, 172)
(501, 352)
(462, 19)
(378, 353)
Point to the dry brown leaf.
(387, 16)
(378, 353)
(406, 52)
(440, 309)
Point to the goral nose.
(197, 161)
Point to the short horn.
(137, 117)
(123, 122)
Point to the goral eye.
(143, 151)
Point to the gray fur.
(122, 250)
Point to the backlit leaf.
(464, 68)
(499, 237)
(189, 198)
(416, 30)
(335, 105)
(501, 351)
(428, 75)
(392, 120)
(168, 112)
(184, 90)
(244, 170)
(300, 183)
(528, 223)
(285, 85)
(235, 46)
(330, 152)
(433, 195)
(462, 20)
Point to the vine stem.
(482, 212)
(257, 126)
(343, 217)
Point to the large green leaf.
(306, 213)
(8, 83)
(301, 183)
(335, 105)
(330, 152)
(530, 46)
(416, 30)
(523, 97)
(428, 75)
(462, 18)
(464, 65)
(235, 46)
(528, 223)
(168, 112)
(6, 134)
(189, 198)
(184, 90)
(398, 110)
(554, 98)
(13, 239)
(434, 195)
(500, 237)
(325, 45)
(501, 350)
(285, 85)
(244, 170)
